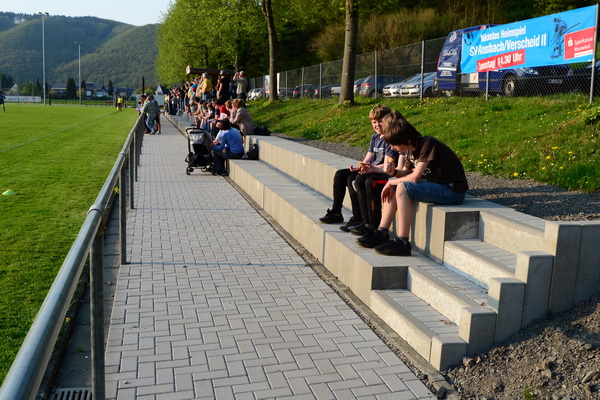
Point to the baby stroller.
(199, 150)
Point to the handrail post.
(123, 214)
(97, 312)
(131, 168)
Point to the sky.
(134, 12)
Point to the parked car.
(303, 90)
(285, 92)
(509, 82)
(369, 89)
(337, 89)
(582, 78)
(255, 94)
(413, 88)
(324, 92)
(393, 89)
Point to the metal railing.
(27, 370)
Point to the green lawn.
(56, 159)
(551, 139)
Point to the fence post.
(422, 69)
(97, 311)
(320, 80)
(376, 75)
(286, 85)
(593, 76)
(302, 84)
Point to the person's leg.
(373, 187)
(355, 190)
(340, 180)
(150, 123)
(218, 161)
(380, 235)
(356, 211)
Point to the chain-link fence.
(412, 71)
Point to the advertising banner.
(562, 38)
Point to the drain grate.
(71, 394)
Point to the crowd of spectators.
(218, 108)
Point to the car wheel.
(509, 86)
(428, 92)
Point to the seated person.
(229, 146)
(368, 187)
(241, 117)
(379, 153)
(432, 173)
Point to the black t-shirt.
(443, 166)
(224, 88)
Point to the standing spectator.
(150, 110)
(242, 85)
(229, 146)
(2, 97)
(223, 87)
(207, 87)
(157, 118)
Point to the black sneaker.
(373, 238)
(361, 230)
(352, 223)
(394, 247)
(331, 217)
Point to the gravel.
(556, 358)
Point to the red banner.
(580, 43)
(505, 60)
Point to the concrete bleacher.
(479, 271)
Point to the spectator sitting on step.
(241, 117)
(377, 159)
(229, 146)
(432, 174)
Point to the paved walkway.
(216, 305)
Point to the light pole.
(43, 14)
(79, 45)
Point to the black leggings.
(369, 187)
(343, 179)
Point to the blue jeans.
(429, 192)
(150, 123)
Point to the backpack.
(252, 153)
(262, 131)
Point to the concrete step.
(511, 230)
(459, 300)
(479, 261)
(430, 333)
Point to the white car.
(393, 89)
(255, 94)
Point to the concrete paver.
(214, 304)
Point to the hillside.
(110, 51)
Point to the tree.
(83, 89)
(71, 88)
(349, 61)
(111, 89)
(267, 9)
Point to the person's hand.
(387, 193)
(366, 168)
(354, 169)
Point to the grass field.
(550, 139)
(56, 160)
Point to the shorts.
(436, 193)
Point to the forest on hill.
(110, 50)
